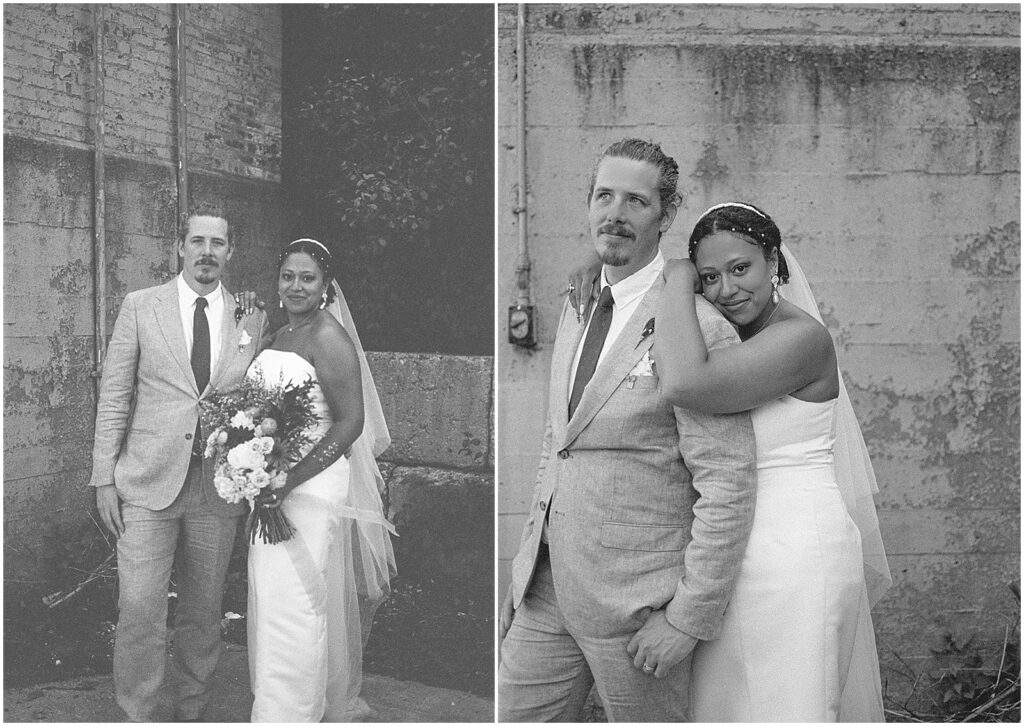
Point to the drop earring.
(775, 289)
(323, 300)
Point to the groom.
(641, 511)
(171, 346)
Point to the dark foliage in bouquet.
(258, 432)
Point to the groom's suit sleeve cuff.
(700, 621)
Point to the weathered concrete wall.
(885, 140)
(440, 408)
(440, 467)
(233, 57)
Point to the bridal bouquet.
(258, 433)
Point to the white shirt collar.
(626, 290)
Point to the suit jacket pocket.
(643, 537)
(644, 382)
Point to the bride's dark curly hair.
(745, 220)
(321, 256)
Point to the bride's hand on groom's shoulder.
(659, 645)
(582, 282)
(684, 270)
(248, 302)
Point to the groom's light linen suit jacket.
(648, 505)
(149, 401)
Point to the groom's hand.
(108, 504)
(659, 644)
(505, 614)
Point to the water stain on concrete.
(709, 168)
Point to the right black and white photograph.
(758, 363)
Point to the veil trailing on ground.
(854, 473)
(361, 548)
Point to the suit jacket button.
(563, 454)
(543, 506)
(188, 437)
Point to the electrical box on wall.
(522, 326)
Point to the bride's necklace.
(766, 320)
(300, 324)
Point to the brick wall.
(886, 143)
(233, 84)
(233, 60)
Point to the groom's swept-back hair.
(651, 153)
(204, 209)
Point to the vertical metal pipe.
(182, 124)
(523, 264)
(99, 201)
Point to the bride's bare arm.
(337, 370)
(779, 360)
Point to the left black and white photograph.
(248, 295)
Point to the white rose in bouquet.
(245, 456)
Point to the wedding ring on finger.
(648, 668)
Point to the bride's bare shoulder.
(329, 335)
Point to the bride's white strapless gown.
(797, 642)
(302, 664)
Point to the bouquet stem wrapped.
(270, 524)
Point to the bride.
(312, 597)
(797, 642)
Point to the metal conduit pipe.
(99, 203)
(522, 323)
(182, 123)
(523, 264)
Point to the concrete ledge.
(438, 408)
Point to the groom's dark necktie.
(596, 334)
(201, 345)
(200, 361)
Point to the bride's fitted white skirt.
(797, 642)
(289, 600)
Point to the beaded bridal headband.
(311, 241)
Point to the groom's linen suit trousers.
(203, 538)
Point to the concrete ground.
(90, 699)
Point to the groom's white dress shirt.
(627, 295)
(214, 315)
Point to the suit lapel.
(626, 352)
(228, 338)
(567, 340)
(168, 317)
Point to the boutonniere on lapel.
(239, 313)
(243, 340)
(648, 330)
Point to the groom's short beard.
(614, 258)
(207, 274)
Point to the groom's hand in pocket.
(108, 504)
(659, 644)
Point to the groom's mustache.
(207, 261)
(615, 229)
